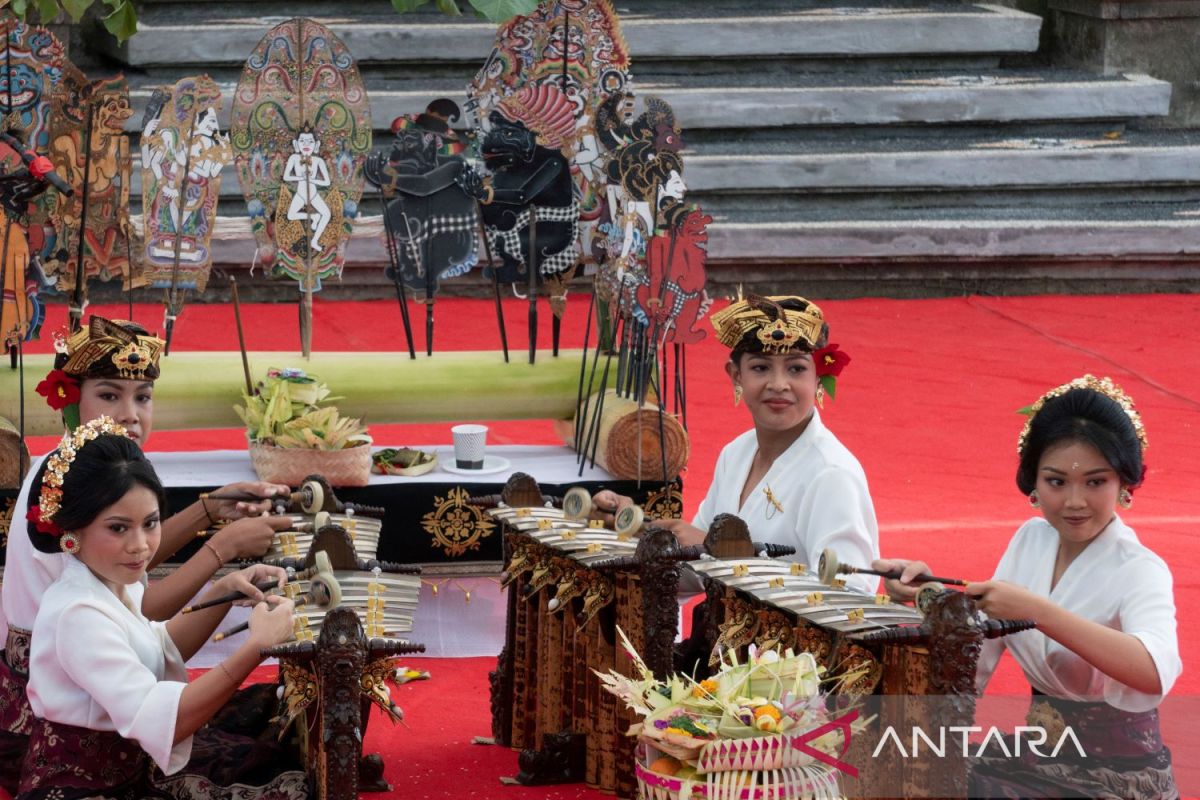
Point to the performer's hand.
(685, 532)
(271, 621)
(606, 503)
(900, 589)
(1004, 600)
(236, 509)
(249, 537)
(244, 579)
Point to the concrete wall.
(1157, 37)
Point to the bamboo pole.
(199, 390)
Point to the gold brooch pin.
(773, 501)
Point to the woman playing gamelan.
(110, 368)
(788, 478)
(1105, 652)
(116, 716)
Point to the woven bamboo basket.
(782, 773)
(291, 465)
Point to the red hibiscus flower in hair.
(59, 389)
(830, 361)
(34, 517)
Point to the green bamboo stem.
(199, 390)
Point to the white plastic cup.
(469, 442)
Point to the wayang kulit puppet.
(650, 291)
(672, 294)
(89, 148)
(301, 131)
(431, 223)
(31, 65)
(529, 209)
(551, 70)
(656, 241)
(24, 176)
(183, 153)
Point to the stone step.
(989, 164)
(992, 99)
(1128, 203)
(1024, 165)
(1171, 236)
(219, 33)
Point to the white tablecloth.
(547, 463)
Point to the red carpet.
(928, 406)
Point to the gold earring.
(1125, 498)
(1034, 500)
(737, 394)
(820, 396)
(68, 542)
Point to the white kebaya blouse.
(28, 572)
(1116, 581)
(97, 663)
(821, 500)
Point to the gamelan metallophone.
(341, 661)
(382, 593)
(924, 658)
(570, 584)
(315, 506)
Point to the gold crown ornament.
(777, 335)
(105, 347)
(1104, 386)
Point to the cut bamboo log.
(199, 390)
(622, 427)
(14, 457)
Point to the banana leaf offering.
(292, 409)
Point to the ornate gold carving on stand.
(738, 628)
(855, 660)
(666, 503)
(774, 630)
(456, 525)
(596, 596)
(811, 639)
(6, 516)
(374, 686)
(299, 689)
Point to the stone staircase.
(887, 148)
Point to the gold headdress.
(777, 334)
(1104, 386)
(104, 348)
(59, 464)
